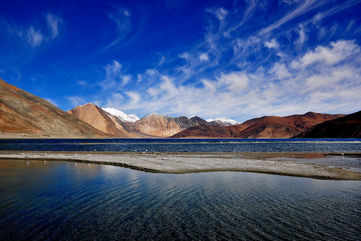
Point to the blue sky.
(235, 59)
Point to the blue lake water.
(184, 145)
(42, 200)
(71, 201)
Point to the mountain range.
(152, 125)
(25, 115)
(263, 127)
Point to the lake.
(58, 200)
(71, 201)
(184, 145)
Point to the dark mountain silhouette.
(348, 126)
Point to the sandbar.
(179, 163)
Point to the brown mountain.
(163, 126)
(210, 130)
(157, 125)
(264, 127)
(99, 119)
(24, 114)
(282, 127)
(185, 122)
(345, 127)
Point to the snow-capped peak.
(121, 115)
(224, 120)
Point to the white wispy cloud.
(301, 9)
(302, 37)
(126, 79)
(36, 36)
(53, 22)
(161, 61)
(333, 77)
(340, 6)
(280, 71)
(139, 77)
(204, 57)
(134, 97)
(76, 100)
(151, 72)
(112, 75)
(251, 6)
(336, 52)
(234, 81)
(272, 44)
(219, 13)
(122, 20)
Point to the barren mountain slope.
(24, 114)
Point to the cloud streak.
(122, 20)
(53, 22)
(35, 36)
(306, 6)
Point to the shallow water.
(184, 145)
(346, 162)
(70, 201)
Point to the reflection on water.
(74, 201)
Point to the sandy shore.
(272, 163)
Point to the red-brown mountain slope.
(24, 114)
(345, 127)
(263, 127)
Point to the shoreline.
(7, 136)
(181, 163)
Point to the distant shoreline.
(180, 163)
(15, 137)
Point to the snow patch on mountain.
(121, 115)
(224, 120)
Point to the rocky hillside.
(264, 127)
(99, 119)
(24, 114)
(209, 130)
(163, 126)
(345, 127)
(185, 122)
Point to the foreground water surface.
(71, 201)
